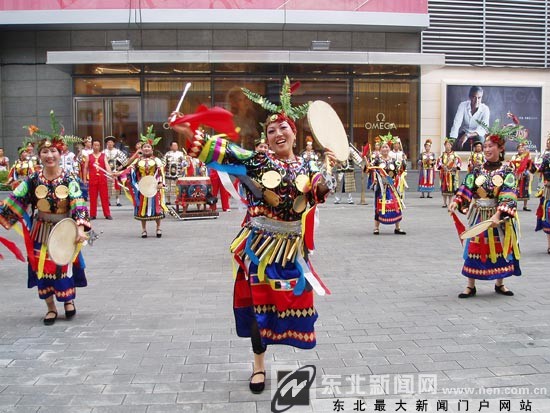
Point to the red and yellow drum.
(193, 190)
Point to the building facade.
(362, 57)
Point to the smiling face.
(147, 149)
(49, 157)
(280, 139)
(448, 146)
(492, 150)
(385, 149)
(475, 99)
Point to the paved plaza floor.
(155, 333)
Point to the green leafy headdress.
(150, 137)
(55, 138)
(284, 111)
(498, 133)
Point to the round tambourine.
(327, 129)
(148, 186)
(479, 228)
(62, 241)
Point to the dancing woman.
(273, 296)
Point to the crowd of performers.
(274, 277)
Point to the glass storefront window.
(105, 86)
(382, 107)
(98, 70)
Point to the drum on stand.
(62, 241)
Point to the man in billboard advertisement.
(467, 126)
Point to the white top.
(465, 121)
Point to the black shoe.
(444, 206)
(50, 321)
(526, 209)
(472, 292)
(69, 313)
(422, 196)
(159, 233)
(118, 204)
(399, 231)
(429, 196)
(92, 218)
(144, 234)
(376, 232)
(109, 217)
(499, 290)
(257, 387)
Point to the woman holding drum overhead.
(273, 295)
(53, 195)
(146, 179)
(489, 192)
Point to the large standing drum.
(193, 190)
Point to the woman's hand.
(330, 157)
(453, 206)
(495, 219)
(81, 235)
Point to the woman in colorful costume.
(477, 158)
(273, 296)
(146, 164)
(489, 193)
(388, 205)
(21, 169)
(448, 164)
(543, 211)
(523, 164)
(426, 174)
(52, 194)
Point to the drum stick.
(187, 86)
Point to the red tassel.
(523, 165)
(460, 228)
(13, 249)
(309, 229)
(217, 118)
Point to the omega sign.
(380, 123)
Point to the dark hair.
(174, 142)
(474, 90)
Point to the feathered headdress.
(450, 140)
(498, 133)
(56, 138)
(150, 137)
(284, 111)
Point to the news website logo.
(292, 387)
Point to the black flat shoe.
(69, 313)
(499, 290)
(376, 232)
(159, 233)
(257, 387)
(399, 231)
(472, 292)
(443, 206)
(144, 234)
(421, 196)
(51, 320)
(526, 209)
(428, 196)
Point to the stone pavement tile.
(468, 373)
(66, 409)
(436, 366)
(183, 368)
(156, 378)
(513, 370)
(38, 399)
(423, 350)
(451, 356)
(241, 407)
(203, 397)
(110, 379)
(187, 386)
(486, 361)
(150, 399)
(502, 381)
(394, 369)
(77, 389)
(55, 378)
(211, 376)
(9, 400)
(543, 378)
(409, 359)
(178, 408)
(121, 409)
(128, 388)
(98, 400)
(19, 379)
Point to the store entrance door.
(101, 117)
